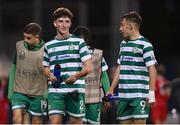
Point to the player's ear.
(54, 23)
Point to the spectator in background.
(159, 110)
(4, 103)
(174, 102)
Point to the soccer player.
(95, 80)
(135, 73)
(27, 77)
(71, 55)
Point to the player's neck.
(63, 36)
(135, 36)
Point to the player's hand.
(52, 77)
(110, 92)
(151, 97)
(70, 80)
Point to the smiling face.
(62, 25)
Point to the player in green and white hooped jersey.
(71, 53)
(96, 80)
(135, 73)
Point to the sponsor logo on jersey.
(60, 57)
(126, 58)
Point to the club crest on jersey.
(71, 47)
(135, 50)
(22, 55)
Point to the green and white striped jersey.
(134, 58)
(69, 53)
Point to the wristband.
(151, 96)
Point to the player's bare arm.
(115, 81)
(48, 74)
(152, 79)
(86, 70)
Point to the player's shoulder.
(144, 41)
(98, 50)
(19, 42)
(50, 42)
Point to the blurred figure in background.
(27, 84)
(159, 110)
(96, 80)
(4, 103)
(174, 102)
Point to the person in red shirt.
(159, 110)
(4, 103)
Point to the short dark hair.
(62, 12)
(83, 31)
(133, 17)
(32, 28)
